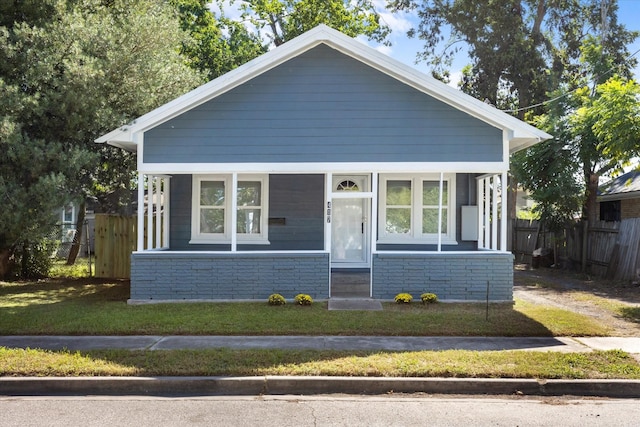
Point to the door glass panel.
(347, 234)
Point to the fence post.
(585, 239)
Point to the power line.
(516, 110)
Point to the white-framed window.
(211, 209)
(408, 208)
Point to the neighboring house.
(323, 155)
(620, 198)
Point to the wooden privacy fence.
(115, 240)
(612, 248)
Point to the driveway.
(616, 305)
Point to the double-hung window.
(410, 206)
(211, 209)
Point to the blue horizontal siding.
(323, 106)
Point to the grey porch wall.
(450, 276)
(323, 106)
(221, 276)
(298, 199)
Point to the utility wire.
(516, 110)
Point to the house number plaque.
(328, 212)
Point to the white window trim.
(416, 236)
(225, 238)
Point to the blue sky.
(404, 49)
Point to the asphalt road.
(334, 410)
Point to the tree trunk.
(24, 260)
(77, 238)
(5, 264)
(591, 202)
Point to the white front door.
(349, 224)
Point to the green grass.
(95, 307)
(80, 269)
(225, 362)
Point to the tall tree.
(283, 20)
(216, 44)
(594, 117)
(88, 67)
(521, 47)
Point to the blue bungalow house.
(322, 155)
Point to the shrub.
(429, 298)
(303, 299)
(403, 298)
(277, 299)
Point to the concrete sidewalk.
(151, 342)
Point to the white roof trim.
(524, 135)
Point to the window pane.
(430, 191)
(399, 193)
(68, 214)
(212, 193)
(430, 221)
(249, 193)
(212, 220)
(248, 221)
(398, 220)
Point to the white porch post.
(374, 212)
(494, 213)
(487, 216)
(140, 211)
(150, 180)
(480, 198)
(328, 190)
(504, 213)
(157, 196)
(440, 213)
(234, 211)
(166, 185)
(373, 227)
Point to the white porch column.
(494, 212)
(440, 213)
(479, 202)
(157, 198)
(150, 180)
(140, 245)
(328, 189)
(234, 211)
(487, 216)
(504, 212)
(166, 210)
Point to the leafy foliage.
(70, 71)
(283, 20)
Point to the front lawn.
(226, 362)
(94, 307)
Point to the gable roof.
(623, 187)
(522, 135)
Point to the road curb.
(280, 385)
